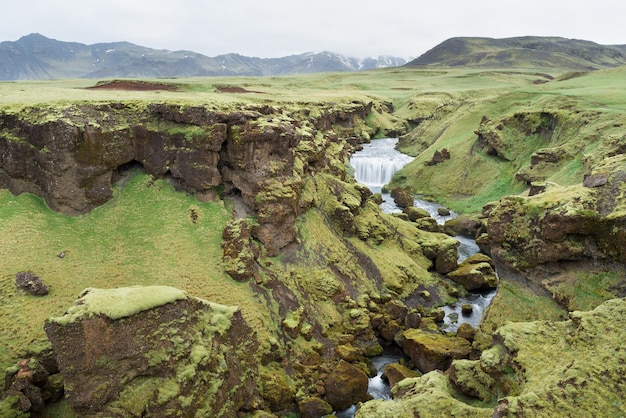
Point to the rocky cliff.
(74, 154)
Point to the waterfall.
(377, 163)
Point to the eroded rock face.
(149, 350)
(562, 224)
(71, 156)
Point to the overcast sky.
(276, 28)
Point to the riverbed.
(374, 167)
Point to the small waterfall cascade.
(377, 163)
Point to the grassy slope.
(593, 110)
(143, 236)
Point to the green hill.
(523, 52)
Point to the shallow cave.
(122, 173)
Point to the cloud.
(274, 28)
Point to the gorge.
(224, 233)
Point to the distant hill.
(37, 57)
(528, 51)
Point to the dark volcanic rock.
(402, 198)
(431, 351)
(439, 157)
(346, 386)
(28, 282)
(146, 350)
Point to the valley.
(232, 203)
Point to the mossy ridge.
(119, 302)
(573, 135)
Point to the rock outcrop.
(433, 351)
(561, 226)
(30, 283)
(475, 272)
(153, 351)
(521, 375)
(71, 156)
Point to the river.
(373, 167)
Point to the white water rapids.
(374, 167)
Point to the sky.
(277, 28)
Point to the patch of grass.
(143, 236)
(584, 291)
(516, 302)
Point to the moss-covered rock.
(154, 351)
(475, 272)
(238, 251)
(345, 386)
(395, 372)
(430, 351)
(447, 256)
(521, 375)
(415, 213)
(314, 407)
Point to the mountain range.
(37, 57)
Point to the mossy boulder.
(402, 198)
(475, 272)
(465, 225)
(415, 213)
(395, 372)
(154, 351)
(346, 385)
(433, 351)
(314, 407)
(276, 390)
(466, 331)
(447, 256)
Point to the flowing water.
(373, 167)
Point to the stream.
(373, 167)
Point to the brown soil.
(235, 89)
(134, 85)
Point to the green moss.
(119, 303)
(10, 407)
(168, 390)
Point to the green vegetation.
(503, 128)
(143, 236)
(119, 303)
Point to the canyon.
(300, 278)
